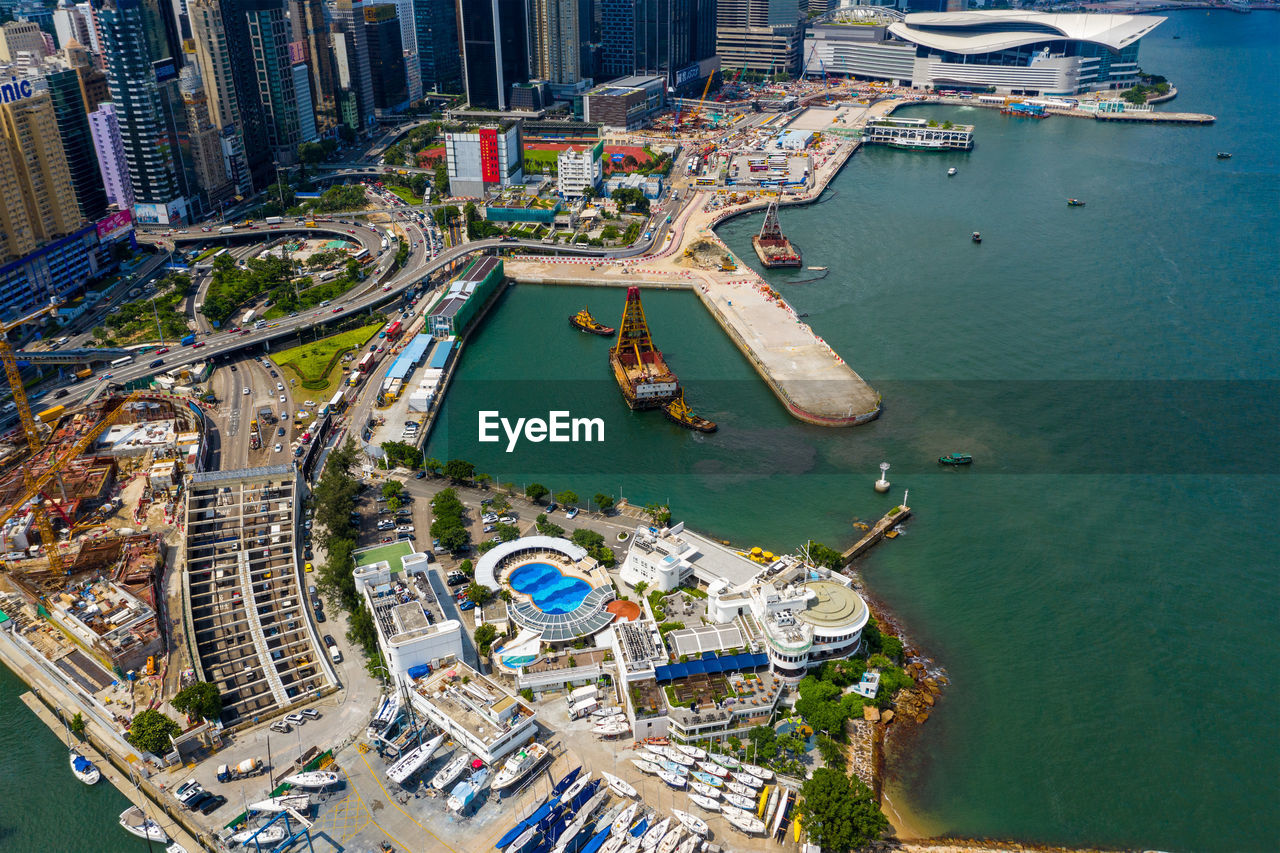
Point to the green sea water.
(1100, 586)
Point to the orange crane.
(697, 111)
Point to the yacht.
(84, 769)
(705, 802)
(312, 779)
(744, 821)
(270, 835)
(618, 786)
(725, 760)
(623, 821)
(297, 802)
(451, 771)
(710, 767)
(951, 173)
(135, 822)
(414, 760)
(692, 751)
(653, 836)
(519, 765)
(693, 823)
(704, 789)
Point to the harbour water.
(1100, 585)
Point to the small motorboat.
(646, 766)
(692, 751)
(704, 802)
(693, 823)
(697, 785)
(84, 769)
(977, 237)
(135, 822)
(951, 173)
(584, 322)
(675, 780)
(956, 459)
(618, 786)
(1074, 202)
(1224, 155)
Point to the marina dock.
(897, 515)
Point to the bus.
(123, 360)
(705, 182)
(366, 363)
(362, 255)
(393, 331)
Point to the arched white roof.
(973, 30)
(486, 568)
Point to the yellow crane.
(697, 111)
(15, 378)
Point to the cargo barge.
(638, 366)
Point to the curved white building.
(806, 616)
(1013, 51)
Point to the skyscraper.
(269, 38)
(69, 25)
(759, 35)
(253, 118)
(37, 201)
(145, 130)
(77, 143)
(557, 56)
(435, 26)
(206, 140)
(386, 59)
(104, 125)
(306, 112)
(348, 17)
(668, 37)
(495, 50)
(307, 17)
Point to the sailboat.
(725, 760)
(84, 769)
(672, 779)
(312, 779)
(759, 772)
(744, 821)
(414, 760)
(656, 834)
(691, 845)
(692, 751)
(565, 781)
(451, 771)
(700, 787)
(618, 786)
(135, 822)
(705, 802)
(748, 780)
(273, 834)
(297, 802)
(739, 801)
(576, 788)
(670, 840)
(713, 769)
(646, 766)
(623, 821)
(693, 823)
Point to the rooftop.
(988, 30)
(834, 605)
(472, 701)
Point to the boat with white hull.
(704, 802)
(691, 845)
(670, 840)
(692, 751)
(714, 769)
(579, 785)
(452, 771)
(613, 729)
(623, 821)
(656, 834)
(297, 802)
(740, 789)
(618, 786)
(84, 769)
(672, 779)
(312, 779)
(135, 822)
(647, 766)
(704, 789)
(759, 772)
(520, 765)
(691, 822)
(414, 760)
(748, 780)
(741, 802)
(743, 821)
(673, 754)
(607, 711)
(273, 834)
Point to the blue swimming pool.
(550, 590)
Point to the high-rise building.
(146, 130)
(213, 59)
(495, 50)
(306, 111)
(37, 201)
(90, 15)
(253, 117)
(579, 169)
(206, 139)
(108, 145)
(17, 37)
(435, 27)
(557, 40)
(309, 25)
(269, 37)
(386, 59)
(484, 156)
(759, 35)
(77, 143)
(348, 17)
(673, 38)
(409, 43)
(69, 25)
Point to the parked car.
(213, 804)
(489, 517)
(296, 719)
(329, 641)
(196, 802)
(311, 712)
(489, 528)
(281, 726)
(467, 605)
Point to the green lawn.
(393, 554)
(406, 195)
(540, 155)
(318, 366)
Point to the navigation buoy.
(882, 485)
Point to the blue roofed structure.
(440, 358)
(710, 665)
(410, 357)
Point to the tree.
(282, 194)
(827, 557)
(391, 488)
(603, 502)
(467, 568)
(484, 637)
(453, 538)
(459, 470)
(630, 162)
(568, 497)
(442, 179)
(658, 514)
(507, 532)
(151, 731)
(393, 156)
(536, 492)
(433, 465)
(832, 752)
(640, 588)
(483, 480)
(840, 811)
(78, 725)
(311, 153)
(479, 593)
(201, 699)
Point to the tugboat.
(584, 322)
(956, 459)
(678, 412)
(977, 237)
(1224, 155)
(1074, 202)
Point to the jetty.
(895, 516)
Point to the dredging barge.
(638, 366)
(771, 245)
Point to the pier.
(897, 515)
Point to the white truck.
(248, 767)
